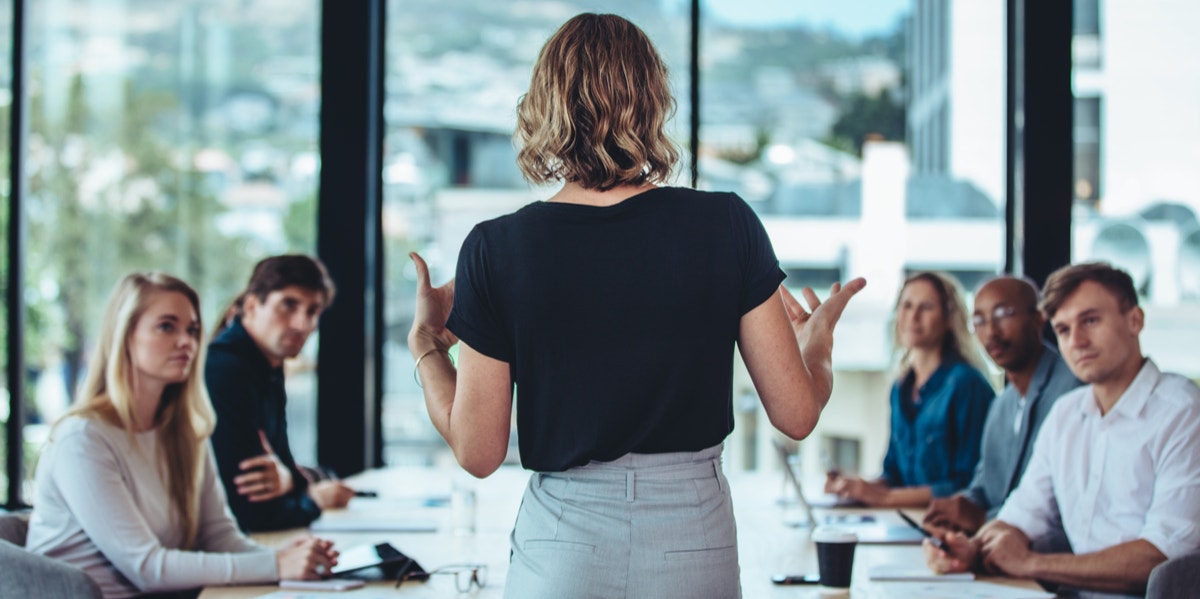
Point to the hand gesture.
(817, 323)
(265, 476)
(306, 558)
(429, 318)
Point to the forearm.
(1123, 568)
(818, 360)
(439, 383)
(907, 497)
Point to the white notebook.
(915, 573)
(345, 523)
(970, 589)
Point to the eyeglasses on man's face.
(999, 315)
(466, 576)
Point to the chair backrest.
(13, 527)
(33, 576)
(1179, 577)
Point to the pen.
(932, 538)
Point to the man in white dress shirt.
(1117, 462)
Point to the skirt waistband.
(682, 465)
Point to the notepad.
(345, 523)
(917, 573)
(956, 590)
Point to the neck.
(1109, 391)
(1023, 377)
(923, 362)
(574, 193)
(147, 395)
(272, 359)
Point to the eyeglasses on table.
(466, 576)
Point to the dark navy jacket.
(248, 395)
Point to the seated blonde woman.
(127, 489)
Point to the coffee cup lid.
(830, 534)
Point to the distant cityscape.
(192, 128)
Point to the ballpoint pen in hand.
(937, 542)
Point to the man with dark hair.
(268, 323)
(1117, 463)
(1008, 325)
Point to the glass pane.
(454, 73)
(178, 136)
(6, 99)
(869, 137)
(1137, 191)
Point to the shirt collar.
(1133, 401)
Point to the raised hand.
(265, 477)
(817, 322)
(433, 308)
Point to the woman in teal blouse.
(939, 402)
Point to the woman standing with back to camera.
(615, 307)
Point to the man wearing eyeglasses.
(1008, 325)
(1117, 464)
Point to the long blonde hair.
(597, 108)
(958, 342)
(184, 419)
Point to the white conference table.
(766, 545)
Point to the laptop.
(865, 526)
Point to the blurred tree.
(102, 205)
(863, 115)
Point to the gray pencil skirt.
(645, 525)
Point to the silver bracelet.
(417, 364)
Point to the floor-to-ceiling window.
(454, 73)
(6, 101)
(1137, 135)
(870, 138)
(177, 136)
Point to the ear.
(250, 305)
(1136, 318)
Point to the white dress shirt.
(1131, 474)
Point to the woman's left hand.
(433, 308)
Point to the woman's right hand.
(429, 318)
(306, 558)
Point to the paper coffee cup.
(835, 556)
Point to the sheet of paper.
(915, 573)
(346, 523)
(955, 590)
(316, 595)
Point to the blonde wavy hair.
(185, 418)
(958, 341)
(596, 109)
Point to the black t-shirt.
(618, 322)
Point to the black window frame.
(1038, 171)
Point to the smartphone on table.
(796, 579)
